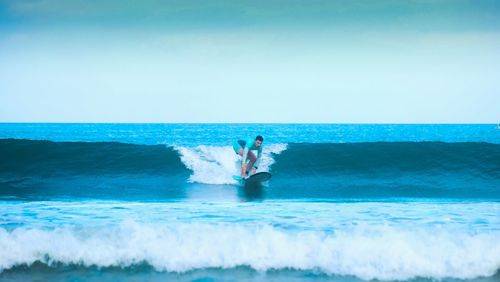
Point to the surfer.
(244, 149)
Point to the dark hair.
(260, 138)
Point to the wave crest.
(383, 252)
(218, 164)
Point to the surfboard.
(259, 177)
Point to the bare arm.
(259, 154)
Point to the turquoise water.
(153, 202)
(223, 134)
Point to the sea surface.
(158, 202)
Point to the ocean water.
(156, 202)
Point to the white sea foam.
(218, 164)
(382, 252)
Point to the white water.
(386, 241)
(218, 164)
(383, 252)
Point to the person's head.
(258, 140)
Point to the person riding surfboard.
(244, 149)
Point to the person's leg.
(240, 153)
(251, 156)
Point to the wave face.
(353, 170)
(406, 169)
(27, 157)
(392, 157)
(45, 169)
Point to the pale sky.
(250, 61)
